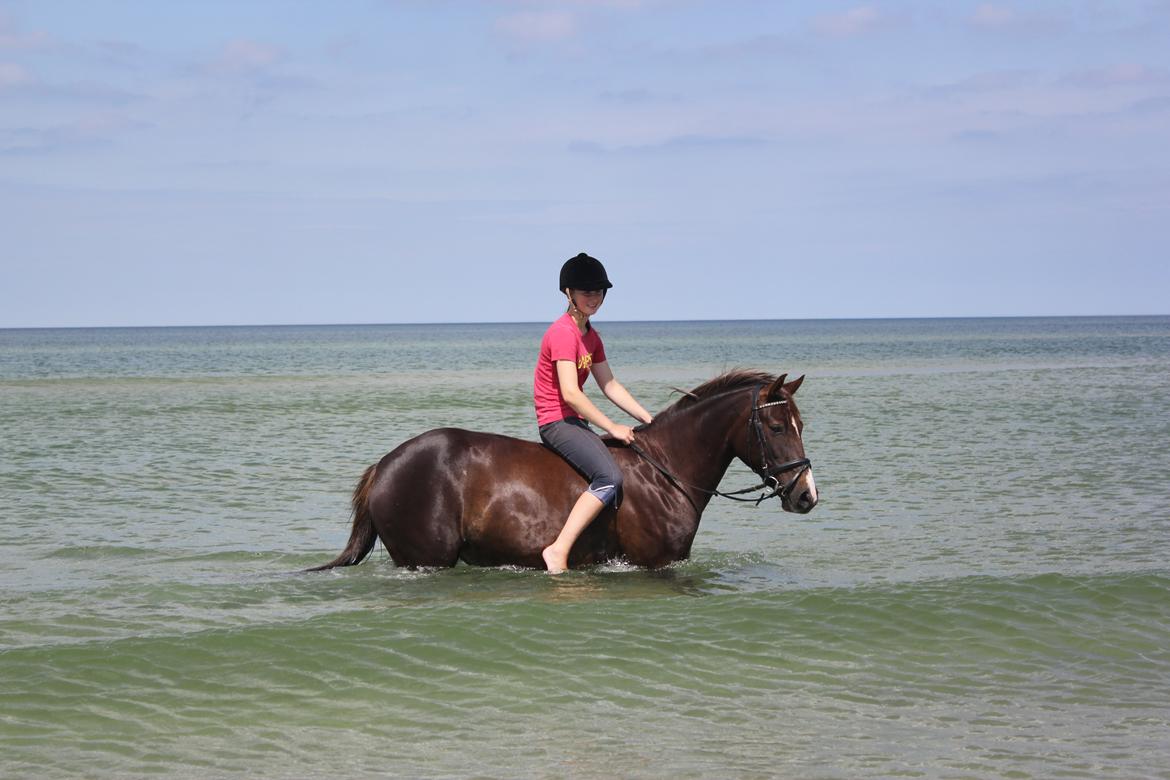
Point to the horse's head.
(773, 447)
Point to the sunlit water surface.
(983, 592)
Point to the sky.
(369, 161)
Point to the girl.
(570, 350)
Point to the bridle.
(769, 469)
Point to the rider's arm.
(574, 397)
(616, 392)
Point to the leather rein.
(768, 471)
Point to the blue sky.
(260, 161)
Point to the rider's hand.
(623, 433)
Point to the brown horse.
(490, 500)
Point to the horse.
(490, 500)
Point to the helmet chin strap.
(574, 312)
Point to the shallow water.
(983, 592)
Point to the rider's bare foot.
(554, 561)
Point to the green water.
(983, 592)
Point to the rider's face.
(587, 301)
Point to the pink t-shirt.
(562, 341)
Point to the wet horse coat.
(490, 500)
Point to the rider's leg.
(585, 451)
(584, 512)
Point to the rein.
(767, 472)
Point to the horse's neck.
(697, 441)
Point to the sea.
(983, 591)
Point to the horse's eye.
(776, 428)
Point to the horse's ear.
(794, 385)
(775, 388)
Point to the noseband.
(769, 470)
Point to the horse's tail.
(363, 535)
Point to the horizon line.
(859, 318)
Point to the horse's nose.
(806, 501)
(808, 497)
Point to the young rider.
(571, 350)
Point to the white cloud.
(13, 75)
(991, 15)
(996, 18)
(245, 56)
(539, 26)
(1125, 74)
(681, 143)
(619, 5)
(989, 82)
(11, 37)
(853, 22)
(88, 131)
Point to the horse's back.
(488, 498)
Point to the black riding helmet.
(584, 273)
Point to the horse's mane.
(725, 382)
